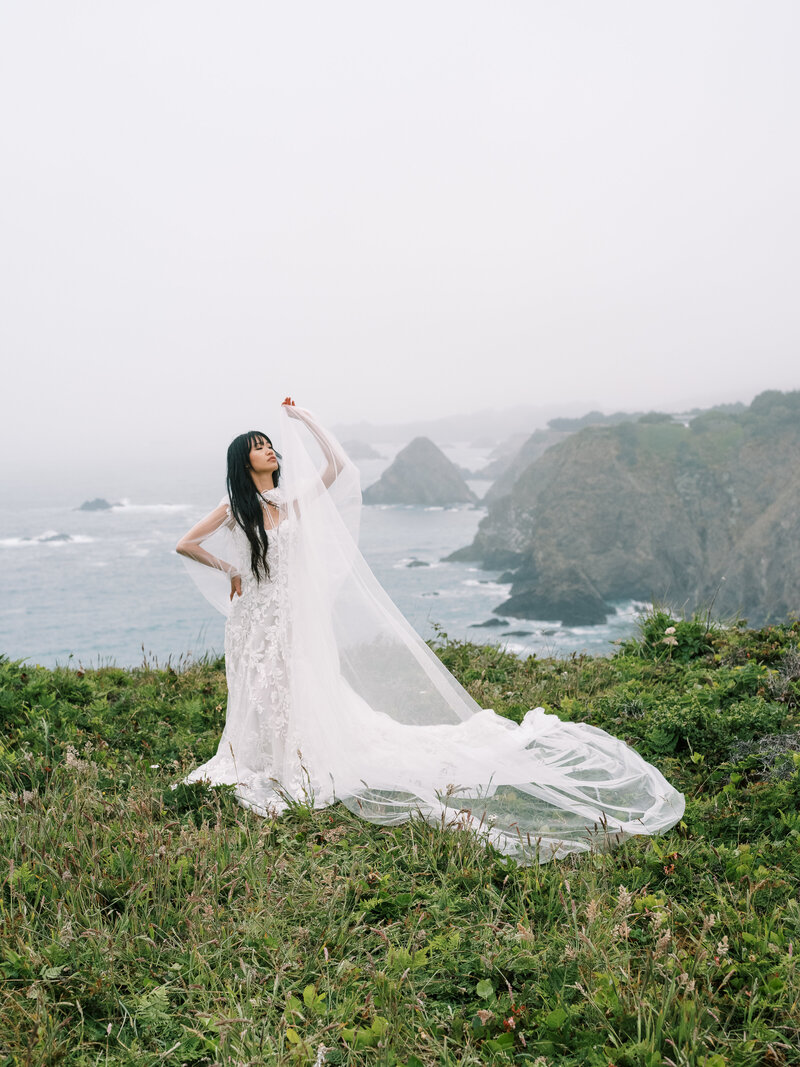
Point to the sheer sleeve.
(191, 544)
(212, 556)
(335, 459)
(333, 486)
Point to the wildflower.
(662, 944)
(28, 796)
(687, 983)
(510, 1023)
(658, 918)
(592, 908)
(708, 923)
(624, 899)
(722, 947)
(669, 640)
(670, 630)
(622, 930)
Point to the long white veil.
(379, 724)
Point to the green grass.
(147, 925)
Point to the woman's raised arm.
(334, 460)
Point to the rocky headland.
(690, 516)
(360, 450)
(420, 474)
(98, 504)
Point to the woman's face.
(262, 456)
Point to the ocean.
(96, 588)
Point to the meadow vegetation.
(150, 925)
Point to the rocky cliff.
(420, 474)
(656, 510)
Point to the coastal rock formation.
(420, 474)
(360, 450)
(98, 504)
(507, 469)
(691, 516)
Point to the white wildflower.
(709, 922)
(662, 944)
(686, 983)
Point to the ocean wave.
(487, 586)
(125, 505)
(49, 537)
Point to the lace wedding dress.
(332, 695)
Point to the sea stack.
(421, 474)
(98, 504)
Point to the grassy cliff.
(147, 925)
(690, 515)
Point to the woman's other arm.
(190, 545)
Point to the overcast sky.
(391, 210)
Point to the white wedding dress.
(332, 695)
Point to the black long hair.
(246, 501)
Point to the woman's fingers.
(288, 401)
(236, 586)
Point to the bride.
(333, 696)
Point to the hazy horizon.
(128, 478)
(393, 213)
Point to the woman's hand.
(294, 411)
(236, 585)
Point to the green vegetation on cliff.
(145, 925)
(655, 510)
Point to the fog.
(392, 211)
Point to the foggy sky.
(390, 210)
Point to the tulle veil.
(378, 723)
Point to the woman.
(332, 695)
